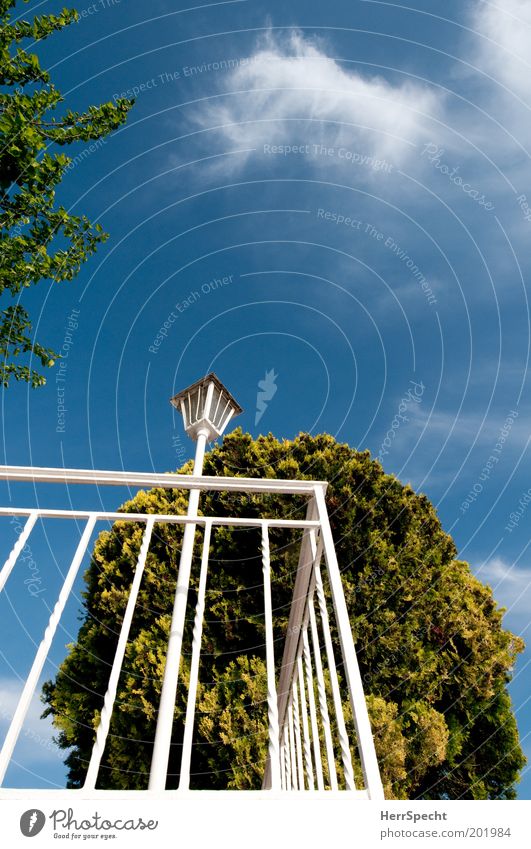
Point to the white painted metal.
(208, 402)
(18, 548)
(313, 712)
(42, 652)
(195, 403)
(305, 728)
(297, 729)
(323, 703)
(214, 415)
(282, 762)
(34, 474)
(298, 618)
(292, 755)
(110, 695)
(159, 517)
(272, 706)
(287, 758)
(227, 419)
(301, 592)
(163, 732)
(369, 763)
(317, 584)
(184, 780)
(344, 742)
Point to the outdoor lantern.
(207, 406)
(310, 741)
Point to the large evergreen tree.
(434, 656)
(39, 238)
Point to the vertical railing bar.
(313, 712)
(344, 743)
(110, 696)
(18, 547)
(184, 780)
(305, 728)
(282, 763)
(292, 756)
(44, 647)
(316, 553)
(369, 762)
(301, 592)
(170, 680)
(272, 705)
(298, 740)
(298, 620)
(287, 757)
(323, 706)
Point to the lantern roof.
(209, 378)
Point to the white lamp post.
(207, 407)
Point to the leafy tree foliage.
(39, 239)
(434, 656)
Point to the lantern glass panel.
(192, 402)
(206, 404)
(216, 407)
(222, 410)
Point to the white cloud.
(467, 428)
(290, 92)
(504, 51)
(511, 585)
(35, 744)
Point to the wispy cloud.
(470, 427)
(505, 28)
(510, 583)
(35, 742)
(290, 91)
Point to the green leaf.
(31, 224)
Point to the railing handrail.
(161, 518)
(164, 480)
(300, 730)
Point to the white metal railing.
(309, 745)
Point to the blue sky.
(338, 192)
